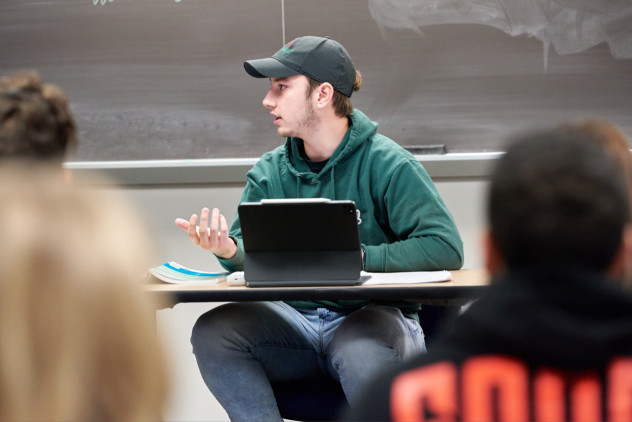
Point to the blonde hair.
(77, 333)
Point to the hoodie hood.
(568, 319)
(360, 130)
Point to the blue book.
(172, 272)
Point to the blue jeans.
(241, 347)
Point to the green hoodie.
(403, 222)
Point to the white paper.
(410, 277)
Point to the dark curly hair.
(35, 119)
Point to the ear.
(621, 264)
(492, 258)
(325, 95)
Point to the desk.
(464, 286)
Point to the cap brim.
(268, 68)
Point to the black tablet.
(290, 242)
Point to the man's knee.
(379, 330)
(374, 320)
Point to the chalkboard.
(163, 79)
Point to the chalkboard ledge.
(223, 171)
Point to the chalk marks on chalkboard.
(570, 26)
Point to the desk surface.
(464, 285)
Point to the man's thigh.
(272, 333)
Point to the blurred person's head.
(36, 122)
(614, 140)
(558, 198)
(77, 332)
(610, 136)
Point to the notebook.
(300, 242)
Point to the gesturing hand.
(209, 235)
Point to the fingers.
(182, 223)
(206, 236)
(226, 246)
(192, 230)
(203, 229)
(212, 232)
(223, 225)
(218, 233)
(214, 224)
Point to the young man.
(331, 151)
(552, 339)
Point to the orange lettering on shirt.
(548, 396)
(549, 391)
(425, 394)
(508, 377)
(495, 387)
(585, 397)
(619, 376)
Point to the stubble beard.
(305, 125)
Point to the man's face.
(290, 106)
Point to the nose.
(267, 100)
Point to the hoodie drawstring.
(333, 184)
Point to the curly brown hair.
(35, 119)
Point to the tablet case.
(296, 242)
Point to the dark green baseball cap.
(322, 59)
